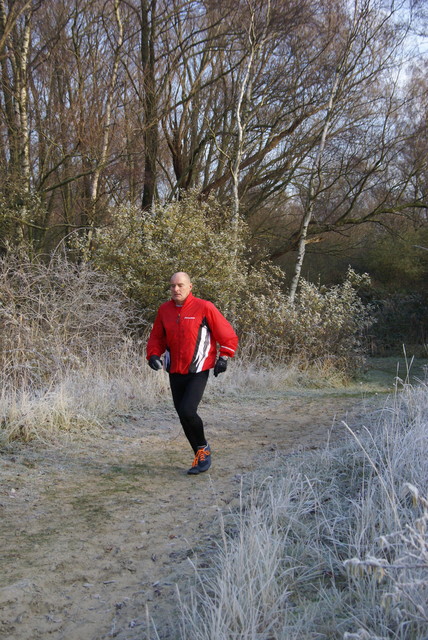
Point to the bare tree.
(15, 31)
(77, 111)
(282, 108)
(256, 43)
(107, 124)
(353, 70)
(148, 36)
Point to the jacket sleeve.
(222, 331)
(156, 343)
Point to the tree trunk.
(244, 99)
(148, 25)
(15, 41)
(94, 187)
(312, 193)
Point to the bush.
(145, 249)
(55, 317)
(324, 324)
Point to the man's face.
(180, 287)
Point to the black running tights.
(187, 391)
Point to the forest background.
(275, 150)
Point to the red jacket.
(189, 335)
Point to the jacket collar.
(185, 303)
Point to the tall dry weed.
(69, 357)
(54, 317)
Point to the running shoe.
(202, 461)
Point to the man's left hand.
(220, 366)
(155, 363)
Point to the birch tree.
(353, 70)
(138, 100)
(149, 18)
(107, 123)
(255, 45)
(313, 189)
(15, 33)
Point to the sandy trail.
(94, 534)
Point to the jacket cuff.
(227, 351)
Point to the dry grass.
(67, 358)
(328, 545)
(332, 544)
(82, 400)
(260, 375)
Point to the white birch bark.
(241, 124)
(94, 186)
(343, 69)
(312, 192)
(22, 103)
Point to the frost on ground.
(97, 534)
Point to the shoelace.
(200, 456)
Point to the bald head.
(180, 287)
(181, 275)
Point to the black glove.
(155, 363)
(220, 366)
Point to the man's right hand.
(155, 363)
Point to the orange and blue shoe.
(202, 460)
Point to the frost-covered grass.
(72, 349)
(82, 399)
(331, 544)
(72, 353)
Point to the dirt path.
(95, 534)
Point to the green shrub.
(324, 325)
(145, 249)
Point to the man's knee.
(187, 414)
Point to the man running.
(186, 333)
